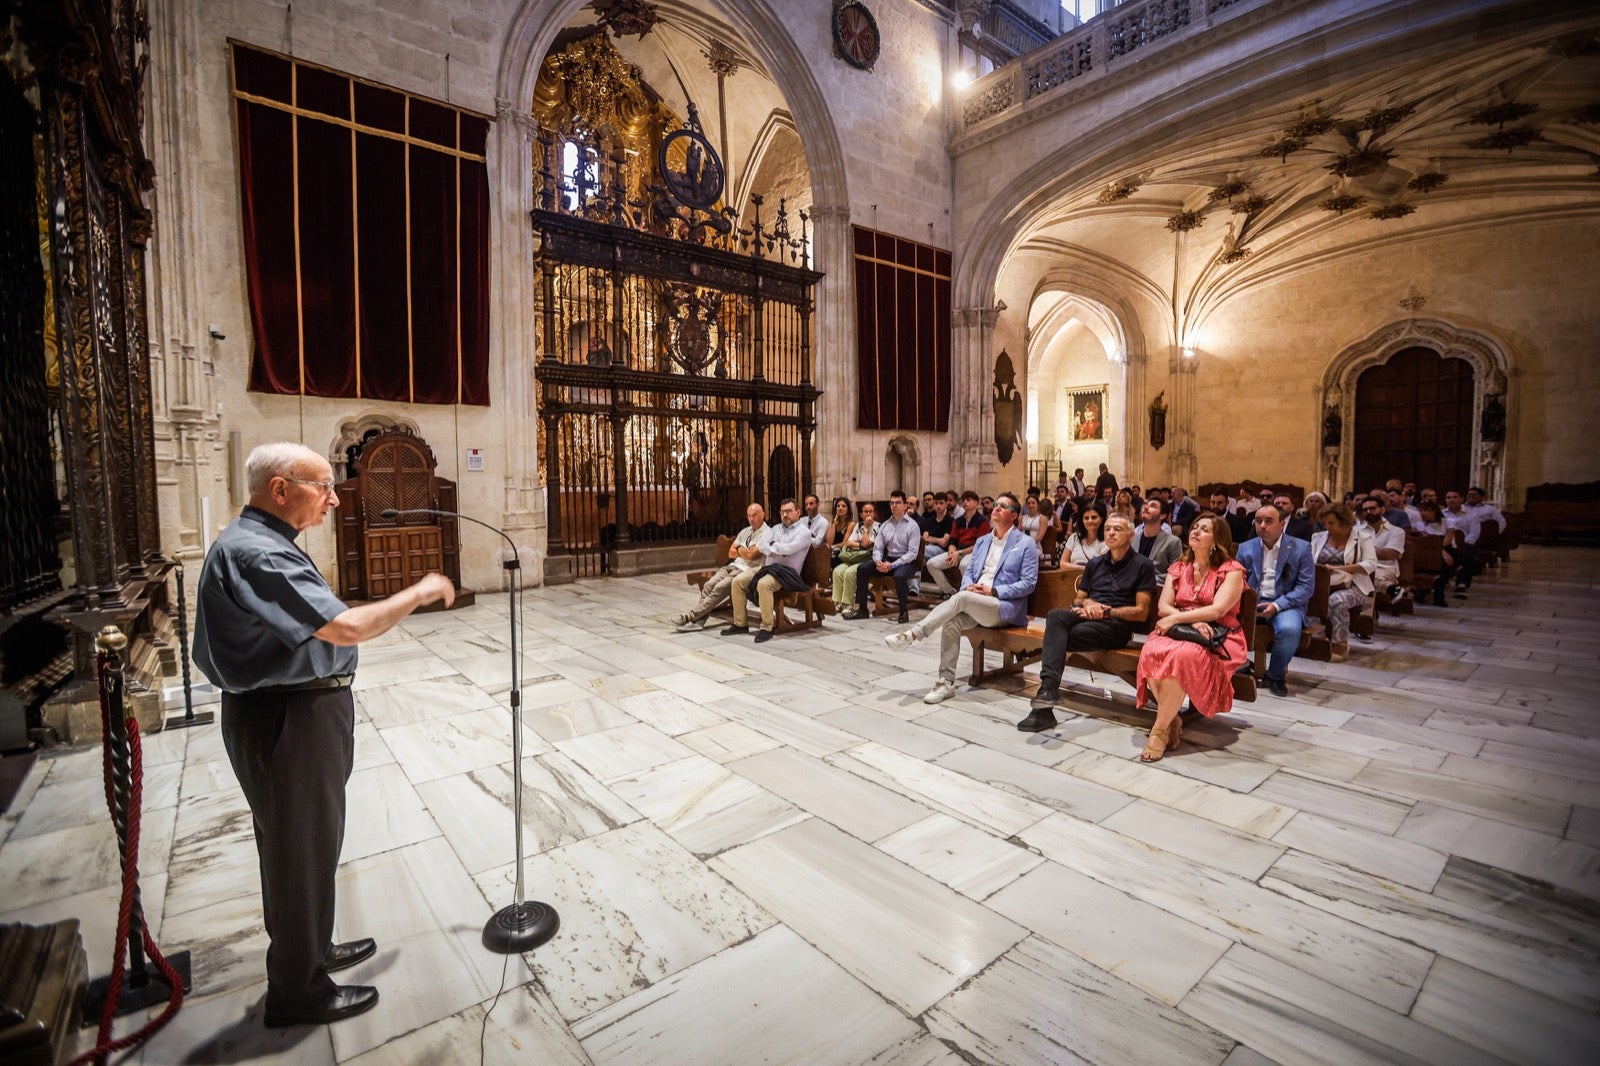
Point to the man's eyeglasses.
(326, 486)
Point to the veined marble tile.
(1294, 1016)
(382, 811)
(563, 721)
(668, 712)
(1243, 1056)
(1472, 797)
(786, 726)
(613, 753)
(1041, 784)
(1217, 767)
(443, 747)
(228, 1028)
(370, 749)
(1248, 814)
(226, 941)
(1288, 711)
(703, 806)
(635, 906)
(613, 687)
(416, 667)
(1362, 849)
(554, 693)
(1297, 753)
(213, 853)
(891, 731)
(794, 1004)
(1479, 937)
(422, 907)
(1200, 841)
(68, 862)
(522, 1020)
(709, 666)
(1041, 1003)
(694, 687)
(419, 701)
(1569, 764)
(1505, 900)
(561, 803)
(908, 937)
(82, 801)
(96, 912)
(1584, 826)
(1525, 736)
(860, 807)
(1160, 953)
(967, 859)
(942, 789)
(997, 729)
(1347, 803)
(1381, 968)
(1423, 736)
(728, 742)
(1504, 1019)
(1533, 854)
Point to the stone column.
(971, 407)
(834, 344)
(1180, 420)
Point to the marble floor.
(780, 854)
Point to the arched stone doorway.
(1492, 381)
(1414, 421)
(1077, 361)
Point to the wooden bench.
(1423, 563)
(1124, 662)
(815, 602)
(1548, 519)
(1314, 643)
(1021, 645)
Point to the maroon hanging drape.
(902, 333)
(366, 248)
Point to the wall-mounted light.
(962, 78)
(1188, 353)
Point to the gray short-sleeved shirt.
(260, 600)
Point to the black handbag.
(1215, 643)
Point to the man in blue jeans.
(1280, 571)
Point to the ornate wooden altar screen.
(380, 556)
(674, 366)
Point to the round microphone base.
(520, 927)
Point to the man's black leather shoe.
(763, 635)
(348, 954)
(1278, 687)
(905, 617)
(735, 631)
(1038, 721)
(343, 1002)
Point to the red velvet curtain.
(902, 333)
(366, 249)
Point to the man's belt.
(314, 685)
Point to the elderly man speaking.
(1001, 573)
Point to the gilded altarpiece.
(674, 369)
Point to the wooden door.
(400, 555)
(1414, 422)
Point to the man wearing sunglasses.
(282, 648)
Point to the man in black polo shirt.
(1116, 591)
(273, 636)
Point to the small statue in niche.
(1492, 426)
(1332, 427)
(1008, 412)
(1158, 421)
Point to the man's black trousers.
(1065, 631)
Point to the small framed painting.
(1088, 406)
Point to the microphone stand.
(523, 925)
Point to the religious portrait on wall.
(1088, 407)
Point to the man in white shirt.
(743, 554)
(1000, 574)
(1388, 544)
(1244, 502)
(1466, 520)
(816, 521)
(786, 547)
(1486, 511)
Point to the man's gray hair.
(278, 459)
(1120, 518)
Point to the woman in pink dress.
(1203, 589)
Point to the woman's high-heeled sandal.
(1174, 734)
(1156, 746)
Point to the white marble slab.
(728, 742)
(227, 1028)
(635, 906)
(522, 1023)
(695, 687)
(1381, 968)
(1504, 1019)
(858, 806)
(1346, 803)
(1538, 855)
(226, 941)
(382, 812)
(891, 731)
(82, 801)
(703, 806)
(997, 729)
(213, 853)
(1042, 1004)
(458, 744)
(1249, 814)
(946, 790)
(1561, 967)
(1376, 853)
(96, 913)
(1483, 799)
(67, 862)
(785, 725)
(1219, 767)
(1160, 953)
(1042, 784)
(908, 937)
(794, 1004)
(613, 753)
(967, 859)
(563, 721)
(417, 666)
(561, 803)
(1206, 843)
(1293, 1016)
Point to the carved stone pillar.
(1183, 467)
(834, 342)
(972, 410)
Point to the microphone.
(513, 563)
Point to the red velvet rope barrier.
(104, 1045)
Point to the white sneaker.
(903, 639)
(690, 625)
(940, 692)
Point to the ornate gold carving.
(1184, 221)
(629, 18)
(1118, 190)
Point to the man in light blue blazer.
(1000, 574)
(1280, 570)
